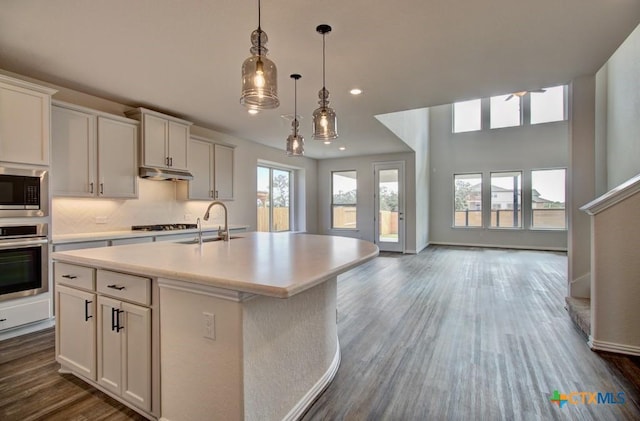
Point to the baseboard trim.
(613, 347)
(310, 397)
(494, 246)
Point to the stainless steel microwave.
(23, 192)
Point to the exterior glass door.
(389, 202)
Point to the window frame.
(532, 227)
(482, 225)
(520, 202)
(290, 172)
(334, 205)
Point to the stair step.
(580, 312)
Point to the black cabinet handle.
(114, 311)
(114, 286)
(86, 310)
(101, 188)
(69, 276)
(3, 320)
(118, 327)
(115, 320)
(91, 187)
(167, 161)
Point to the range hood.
(164, 174)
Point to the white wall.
(619, 113)
(581, 178)
(157, 202)
(622, 90)
(524, 148)
(412, 127)
(364, 221)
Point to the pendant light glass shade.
(325, 121)
(259, 74)
(295, 142)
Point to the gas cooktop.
(163, 227)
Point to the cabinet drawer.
(74, 275)
(126, 287)
(23, 314)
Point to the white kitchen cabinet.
(94, 154)
(76, 330)
(211, 165)
(103, 332)
(164, 140)
(25, 114)
(223, 172)
(124, 350)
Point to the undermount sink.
(206, 240)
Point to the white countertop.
(115, 235)
(272, 264)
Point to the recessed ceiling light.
(327, 142)
(253, 111)
(355, 91)
(343, 148)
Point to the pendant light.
(324, 118)
(295, 142)
(259, 74)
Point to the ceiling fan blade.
(509, 97)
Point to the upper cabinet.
(164, 140)
(212, 167)
(25, 110)
(223, 172)
(94, 153)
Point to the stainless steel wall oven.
(23, 192)
(24, 254)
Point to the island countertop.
(271, 264)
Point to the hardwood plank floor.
(450, 334)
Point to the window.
(548, 199)
(466, 116)
(344, 189)
(547, 106)
(467, 200)
(506, 199)
(505, 111)
(274, 199)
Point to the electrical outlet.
(101, 219)
(209, 330)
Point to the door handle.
(118, 312)
(69, 276)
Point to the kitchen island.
(237, 330)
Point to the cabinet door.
(178, 146)
(136, 370)
(201, 163)
(76, 330)
(117, 161)
(110, 344)
(154, 140)
(124, 350)
(24, 125)
(223, 172)
(73, 162)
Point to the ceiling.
(184, 56)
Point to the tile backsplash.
(156, 204)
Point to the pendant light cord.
(295, 107)
(324, 89)
(259, 33)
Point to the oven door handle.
(22, 243)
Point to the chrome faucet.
(222, 234)
(199, 226)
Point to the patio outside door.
(389, 203)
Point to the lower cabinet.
(124, 350)
(104, 330)
(76, 330)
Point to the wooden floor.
(450, 334)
